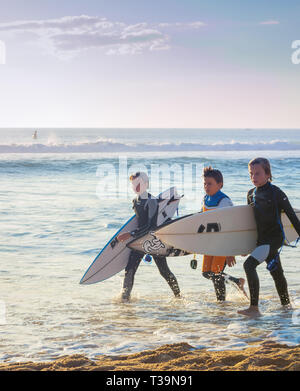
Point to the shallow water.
(53, 224)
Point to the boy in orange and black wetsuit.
(213, 266)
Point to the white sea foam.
(53, 145)
(286, 336)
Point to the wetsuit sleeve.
(284, 204)
(225, 202)
(152, 207)
(249, 197)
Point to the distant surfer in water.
(267, 201)
(146, 209)
(213, 266)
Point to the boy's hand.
(123, 237)
(230, 261)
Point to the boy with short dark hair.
(213, 266)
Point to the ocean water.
(65, 194)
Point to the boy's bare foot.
(241, 286)
(125, 299)
(252, 311)
(287, 307)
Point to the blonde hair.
(264, 163)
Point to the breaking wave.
(114, 146)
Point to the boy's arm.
(225, 202)
(249, 197)
(285, 205)
(249, 201)
(230, 261)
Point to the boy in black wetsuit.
(146, 209)
(267, 201)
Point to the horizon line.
(145, 127)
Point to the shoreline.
(267, 356)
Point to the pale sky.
(141, 63)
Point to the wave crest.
(112, 146)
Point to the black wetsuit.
(268, 201)
(146, 210)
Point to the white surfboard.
(115, 255)
(225, 231)
(151, 244)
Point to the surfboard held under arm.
(115, 254)
(220, 232)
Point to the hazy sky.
(142, 63)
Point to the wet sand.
(268, 356)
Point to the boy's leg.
(250, 266)
(266, 253)
(206, 266)
(219, 285)
(231, 278)
(211, 269)
(259, 255)
(281, 284)
(166, 273)
(217, 266)
(239, 282)
(130, 270)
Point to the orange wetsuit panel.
(212, 263)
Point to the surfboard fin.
(194, 263)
